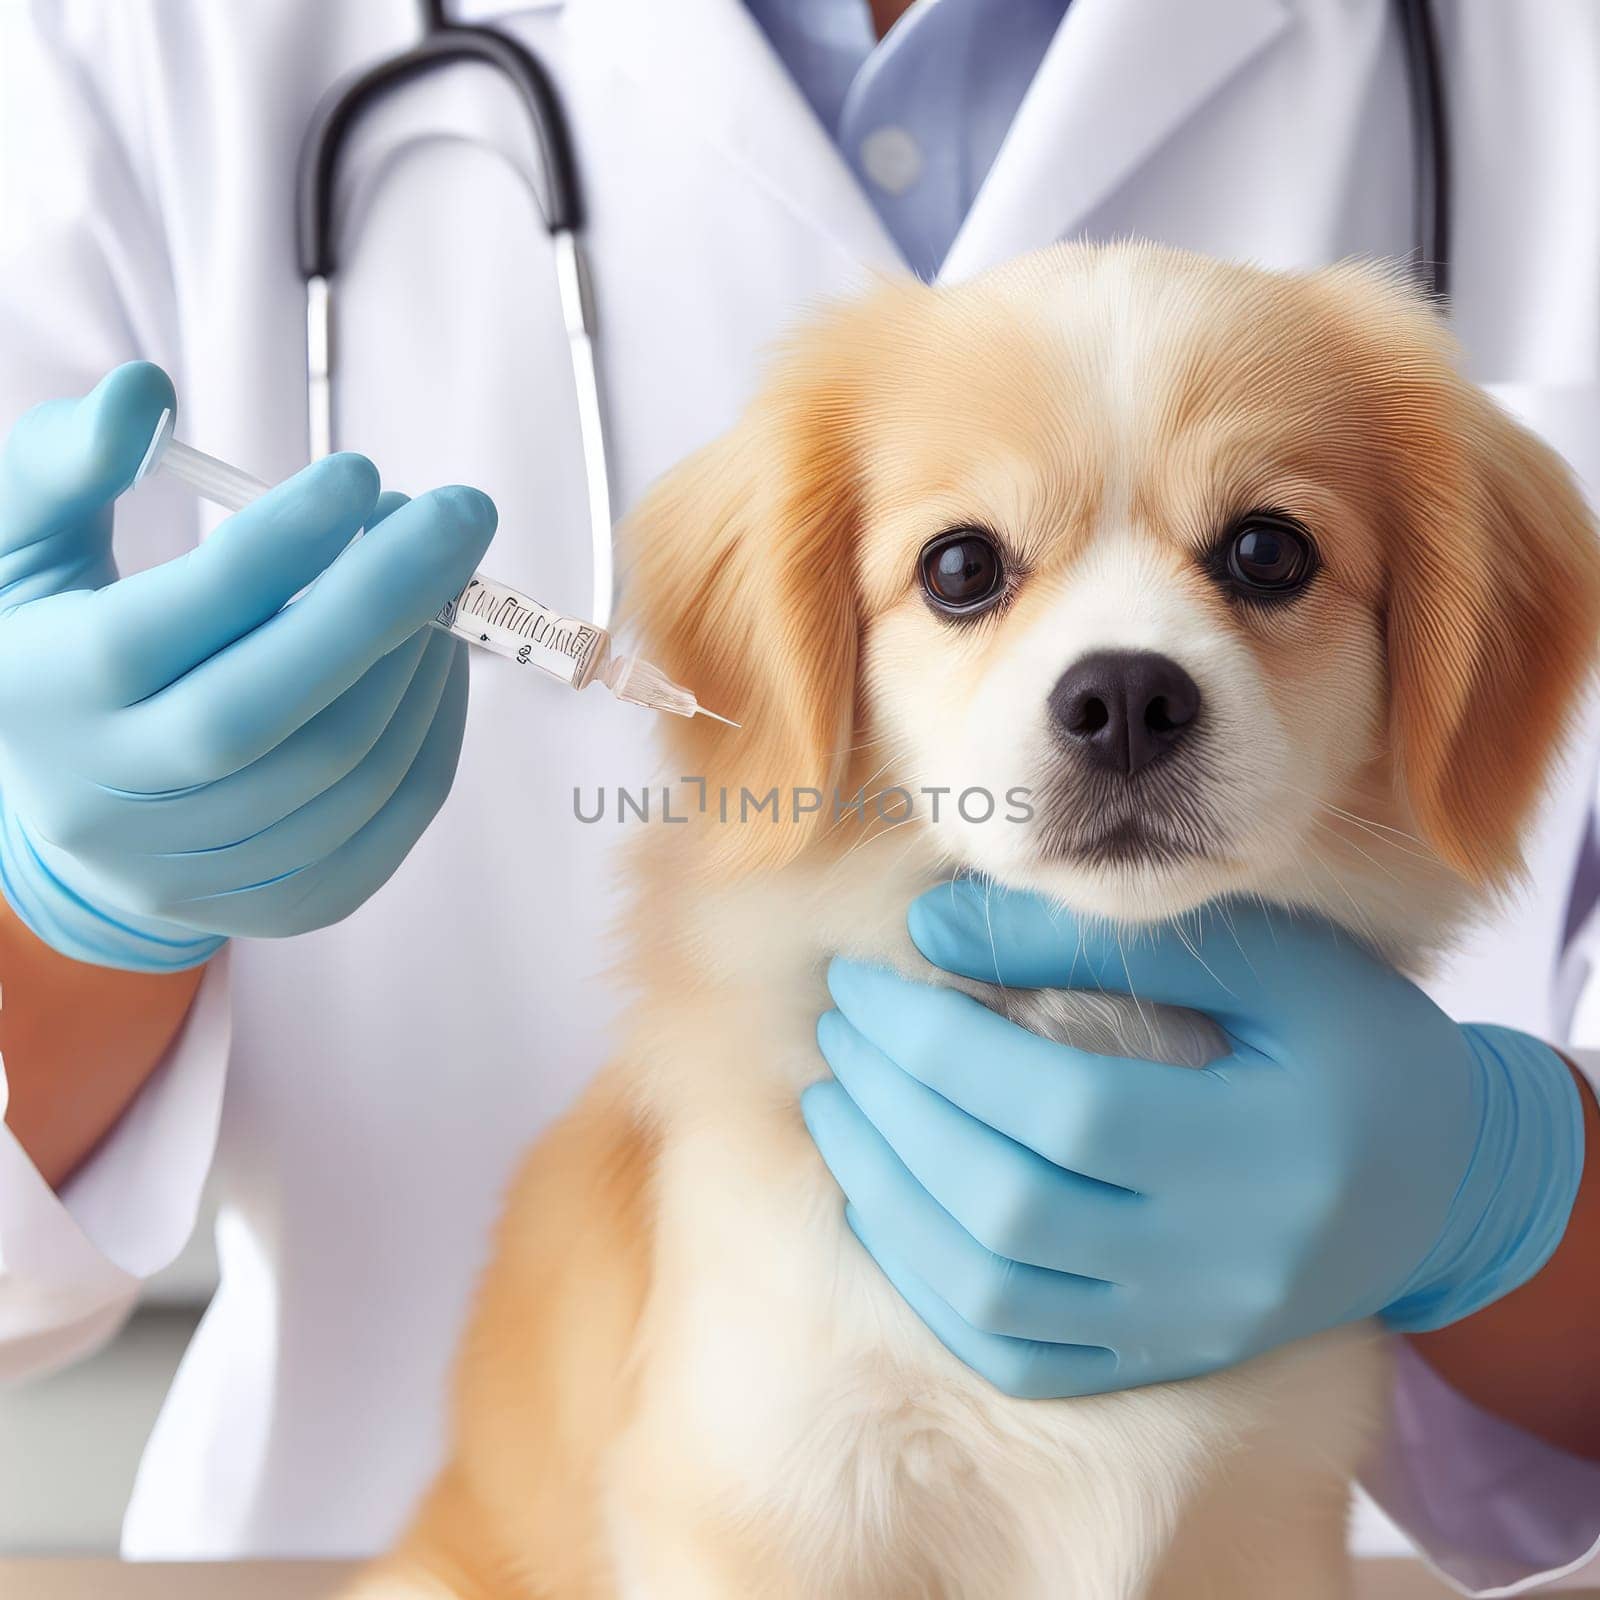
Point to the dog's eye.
(962, 570)
(1268, 554)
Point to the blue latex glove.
(181, 758)
(1070, 1223)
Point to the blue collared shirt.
(920, 115)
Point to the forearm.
(1533, 1357)
(78, 1043)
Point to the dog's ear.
(743, 564)
(1493, 620)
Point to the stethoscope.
(445, 43)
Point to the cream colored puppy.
(1364, 601)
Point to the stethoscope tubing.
(1431, 148)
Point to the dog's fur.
(685, 1378)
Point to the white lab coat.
(362, 1093)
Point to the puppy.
(1355, 603)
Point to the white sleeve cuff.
(71, 1263)
(1493, 1510)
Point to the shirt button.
(892, 159)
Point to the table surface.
(296, 1580)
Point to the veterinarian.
(352, 1006)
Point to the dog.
(957, 536)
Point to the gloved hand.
(1069, 1223)
(180, 757)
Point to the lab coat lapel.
(1119, 78)
(707, 65)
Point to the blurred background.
(70, 1443)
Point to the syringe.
(487, 613)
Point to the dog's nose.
(1124, 709)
